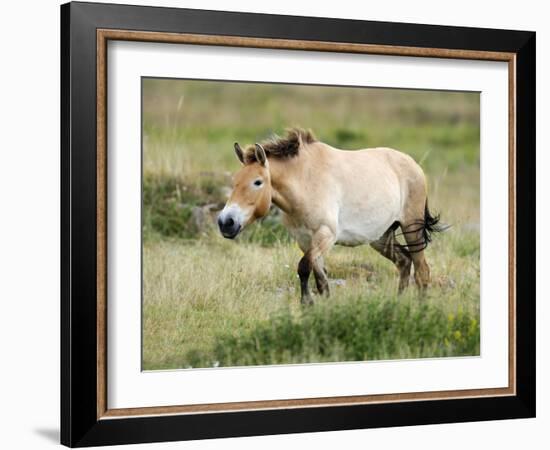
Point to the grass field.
(210, 302)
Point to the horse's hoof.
(306, 301)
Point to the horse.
(330, 196)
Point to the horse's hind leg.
(389, 248)
(416, 244)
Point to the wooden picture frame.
(86, 418)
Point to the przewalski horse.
(331, 196)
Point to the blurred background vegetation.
(211, 302)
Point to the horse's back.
(381, 157)
(379, 167)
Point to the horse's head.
(251, 195)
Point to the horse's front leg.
(304, 270)
(322, 240)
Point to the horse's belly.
(349, 238)
(361, 227)
(353, 237)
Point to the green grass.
(208, 301)
(357, 330)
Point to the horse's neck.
(281, 202)
(284, 193)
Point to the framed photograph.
(276, 224)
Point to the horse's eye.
(258, 183)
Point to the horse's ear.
(260, 155)
(239, 153)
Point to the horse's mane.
(282, 147)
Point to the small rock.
(445, 282)
(198, 218)
(282, 291)
(337, 282)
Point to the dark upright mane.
(282, 147)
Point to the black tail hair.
(431, 224)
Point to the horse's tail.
(431, 225)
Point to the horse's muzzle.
(229, 228)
